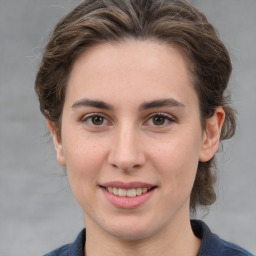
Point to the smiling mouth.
(132, 192)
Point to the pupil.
(159, 120)
(97, 120)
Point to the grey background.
(37, 209)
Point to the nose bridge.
(126, 151)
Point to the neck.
(175, 239)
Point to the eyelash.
(167, 117)
(161, 115)
(91, 116)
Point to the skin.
(130, 142)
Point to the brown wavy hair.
(174, 22)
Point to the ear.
(211, 135)
(57, 143)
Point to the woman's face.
(131, 137)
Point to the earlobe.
(211, 135)
(57, 143)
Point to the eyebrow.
(146, 105)
(161, 103)
(92, 103)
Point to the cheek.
(84, 158)
(177, 160)
(84, 161)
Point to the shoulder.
(62, 251)
(233, 249)
(74, 249)
(212, 245)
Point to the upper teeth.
(127, 192)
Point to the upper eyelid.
(162, 114)
(94, 114)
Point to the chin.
(130, 234)
(130, 229)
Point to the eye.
(95, 120)
(160, 120)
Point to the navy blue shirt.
(211, 245)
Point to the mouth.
(130, 189)
(127, 195)
(132, 192)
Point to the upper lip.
(127, 185)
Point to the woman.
(133, 94)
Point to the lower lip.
(128, 202)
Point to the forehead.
(131, 69)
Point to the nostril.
(125, 165)
(128, 168)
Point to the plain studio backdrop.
(37, 210)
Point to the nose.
(126, 150)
